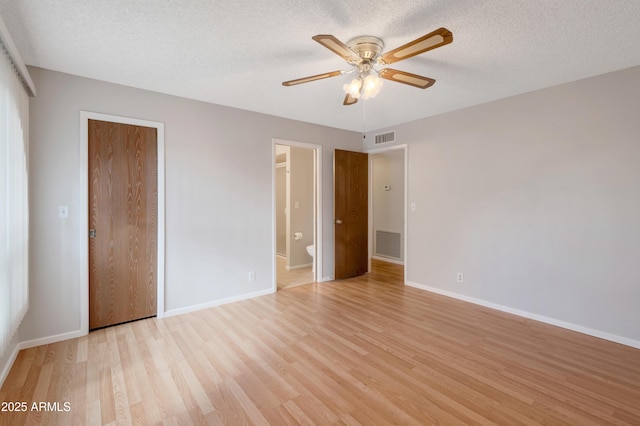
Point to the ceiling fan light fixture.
(365, 86)
(371, 86)
(353, 87)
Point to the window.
(14, 205)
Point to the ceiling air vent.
(385, 137)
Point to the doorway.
(388, 201)
(158, 245)
(297, 213)
(370, 198)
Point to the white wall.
(218, 194)
(536, 199)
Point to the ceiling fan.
(364, 53)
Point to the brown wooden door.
(351, 204)
(123, 205)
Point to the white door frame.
(317, 208)
(406, 192)
(85, 116)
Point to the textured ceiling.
(238, 53)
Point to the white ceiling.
(237, 53)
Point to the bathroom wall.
(387, 168)
(301, 205)
(282, 158)
(281, 212)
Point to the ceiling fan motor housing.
(367, 47)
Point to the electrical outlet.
(252, 276)
(460, 277)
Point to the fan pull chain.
(364, 119)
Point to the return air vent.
(385, 137)
(388, 244)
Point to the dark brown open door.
(351, 204)
(123, 208)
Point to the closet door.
(123, 210)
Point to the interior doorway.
(297, 213)
(370, 199)
(388, 205)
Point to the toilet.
(311, 249)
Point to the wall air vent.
(385, 137)
(388, 244)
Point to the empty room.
(320, 212)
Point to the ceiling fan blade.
(338, 47)
(349, 100)
(406, 78)
(312, 78)
(435, 39)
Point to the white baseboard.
(213, 303)
(547, 320)
(51, 339)
(293, 268)
(327, 278)
(388, 259)
(7, 367)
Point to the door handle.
(92, 233)
(338, 222)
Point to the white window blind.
(14, 207)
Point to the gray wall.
(218, 194)
(536, 199)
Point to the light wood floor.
(364, 351)
(291, 278)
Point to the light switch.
(296, 204)
(63, 212)
(413, 207)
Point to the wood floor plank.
(287, 278)
(361, 351)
